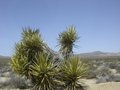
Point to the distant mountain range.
(99, 53)
(4, 57)
(90, 54)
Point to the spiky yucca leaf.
(28, 32)
(44, 71)
(67, 40)
(71, 72)
(18, 65)
(33, 42)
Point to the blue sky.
(97, 22)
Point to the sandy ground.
(91, 83)
(102, 86)
(105, 86)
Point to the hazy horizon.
(97, 23)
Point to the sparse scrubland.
(35, 66)
(104, 69)
(101, 70)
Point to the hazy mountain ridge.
(4, 57)
(89, 54)
(99, 53)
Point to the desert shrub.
(116, 78)
(112, 65)
(5, 69)
(17, 82)
(3, 85)
(103, 74)
(13, 81)
(106, 69)
(92, 72)
(4, 62)
(118, 69)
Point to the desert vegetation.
(9, 79)
(104, 69)
(35, 66)
(34, 61)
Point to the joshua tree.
(67, 41)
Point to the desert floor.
(102, 86)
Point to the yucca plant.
(18, 65)
(27, 51)
(45, 71)
(33, 60)
(32, 42)
(72, 70)
(67, 41)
